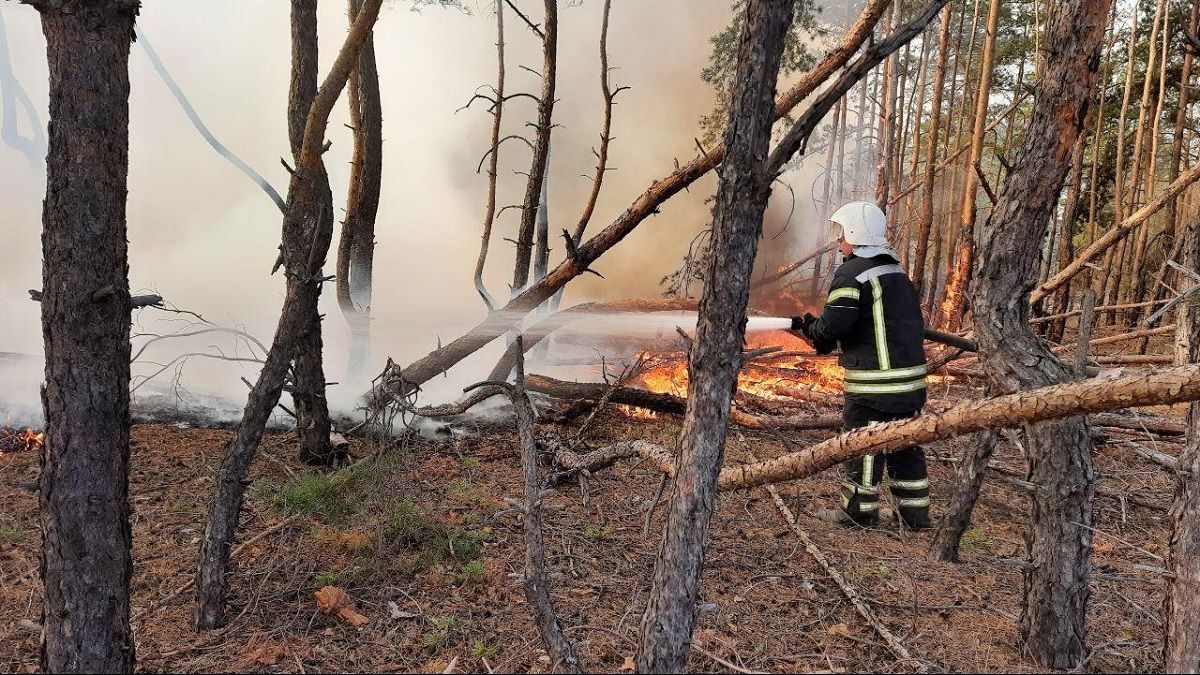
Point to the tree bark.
(356, 245)
(741, 201)
(541, 150)
(1181, 651)
(84, 485)
(305, 243)
(308, 369)
(1057, 583)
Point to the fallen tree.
(669, 404)
(1179, 384)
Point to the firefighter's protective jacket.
(873, 315)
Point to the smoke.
(204, 237)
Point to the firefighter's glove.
(803, 324)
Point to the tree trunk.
(356, 246)
(489, 215)
(713, 365)
(1066, 233)
(1100, 281)
(305, 243)
(1181, 650)
(1172, 219)
(1057, 581)
(958, 285)
(967, 480)
(935, 122)
(308, 371)
(84, 484)
(541, 150)
(887, 119)
(1148, 148)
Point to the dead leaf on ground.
(267, 655)
(333, 600)
(839, 629)
(628, 666)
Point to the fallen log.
(1166, 385)
(669, 404)
(1163, 386)
(1156, 425)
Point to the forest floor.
(424, 545)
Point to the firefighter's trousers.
(908, 478)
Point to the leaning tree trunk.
(1181, 650)
(356, 246)
(308, 371)
(305, 243)
(84, 495)
(742, 193)
(1057, 580)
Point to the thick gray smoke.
(205, 237)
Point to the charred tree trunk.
(308, 371)
(84, 495)
(1057, 582)
(541, 150)
(305, 243)
(356, 247)
(742, 194)
(1182, 644)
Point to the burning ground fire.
(12, 440)
(785, 375)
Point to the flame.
(781, 378)
(24, 441)
(32, 440)
(636, 412)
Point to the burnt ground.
(431, 555)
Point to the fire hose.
(948, 339)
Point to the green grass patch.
(409, 527)
(593, 533)
(975, 539)
(10, 532)
(472, 573)
(440, 637)
(331, 497)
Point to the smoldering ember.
(600, 335)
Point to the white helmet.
(863, 224)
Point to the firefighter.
(873, 316)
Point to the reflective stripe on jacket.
(873, 315)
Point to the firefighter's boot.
(860, 489)
(909, 482)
